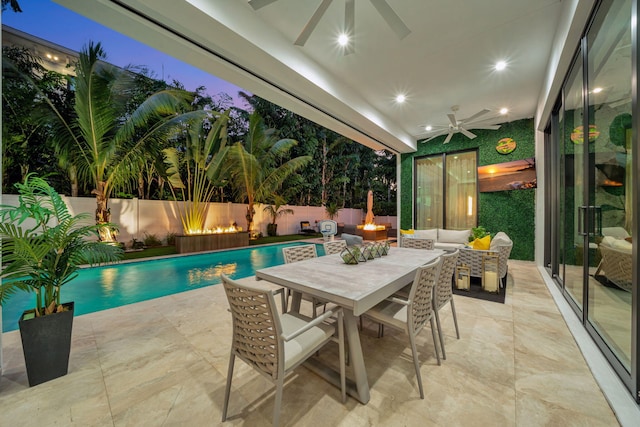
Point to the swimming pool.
(100, 288)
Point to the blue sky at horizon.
(45, 19)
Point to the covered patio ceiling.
(447, 59)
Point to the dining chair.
(418, 243)
(274, 344)
(443, 293)
(412, 314)
(300, 253)
(334, 247)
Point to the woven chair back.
(421, 296)
(334, 247)
(444, 293)
(299, 253)
(427, 244)
(256, 327)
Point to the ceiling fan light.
(343, 39)
(400, 98)
(501, 65)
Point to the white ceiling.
(446, 60)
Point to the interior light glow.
(401, 98)
(343, 39)
(49, 55)
(428, 128)
(501, 65)
(469, 206)
(597, 89)
(504, 111)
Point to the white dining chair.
(334, 247)
(412, 314)
(443, 293)
(272, 343)
(300, 253)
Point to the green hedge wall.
(510, 211)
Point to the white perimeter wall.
(136, 217)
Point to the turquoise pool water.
(100, 288)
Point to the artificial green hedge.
(510, 211)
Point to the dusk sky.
(49, 21)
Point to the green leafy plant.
(202, 161)
(44, 245)
(151, 240)
(170, 239)
(478, 233)
(332, 209)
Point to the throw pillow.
(482, 244)
(453, 236)
(426, 234)
(406, 232)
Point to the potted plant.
(275, 211)
(43, 247)
(332, 209)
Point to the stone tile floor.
(164, 362)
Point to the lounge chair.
(305, 228)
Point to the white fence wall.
(159, 217)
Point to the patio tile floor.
(164, 362)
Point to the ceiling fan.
(462, 126)
(383, 8)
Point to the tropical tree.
(24, 137)
(202, 159)
(258, 165)
(108, 143)
(276, 210)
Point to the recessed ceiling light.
(343, 39)
(401, 98)
(501, 65)
(597, 89)
(428, 128)
(504, 111)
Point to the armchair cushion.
(500, 239)
(351, 239)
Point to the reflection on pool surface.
(101, 288)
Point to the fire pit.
(211, 239)
(372, 232)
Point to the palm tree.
(275, 211)
(257, 165)
(106, 140)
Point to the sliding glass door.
(446, 191)
(611, 175)
(591, 205)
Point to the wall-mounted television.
(514, 175)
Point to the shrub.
(171, 239)
(151, 240)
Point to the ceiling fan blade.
(489, 127)
(435, 135)
(448, 138)
(393, 20)
(467, 133)
(350, 25)
(311, 25)
(452, 119)
(258, 4)
(475, 116)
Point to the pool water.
(101, 288)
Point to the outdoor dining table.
(356, 288)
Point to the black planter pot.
(272, 229)
(46, 343)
